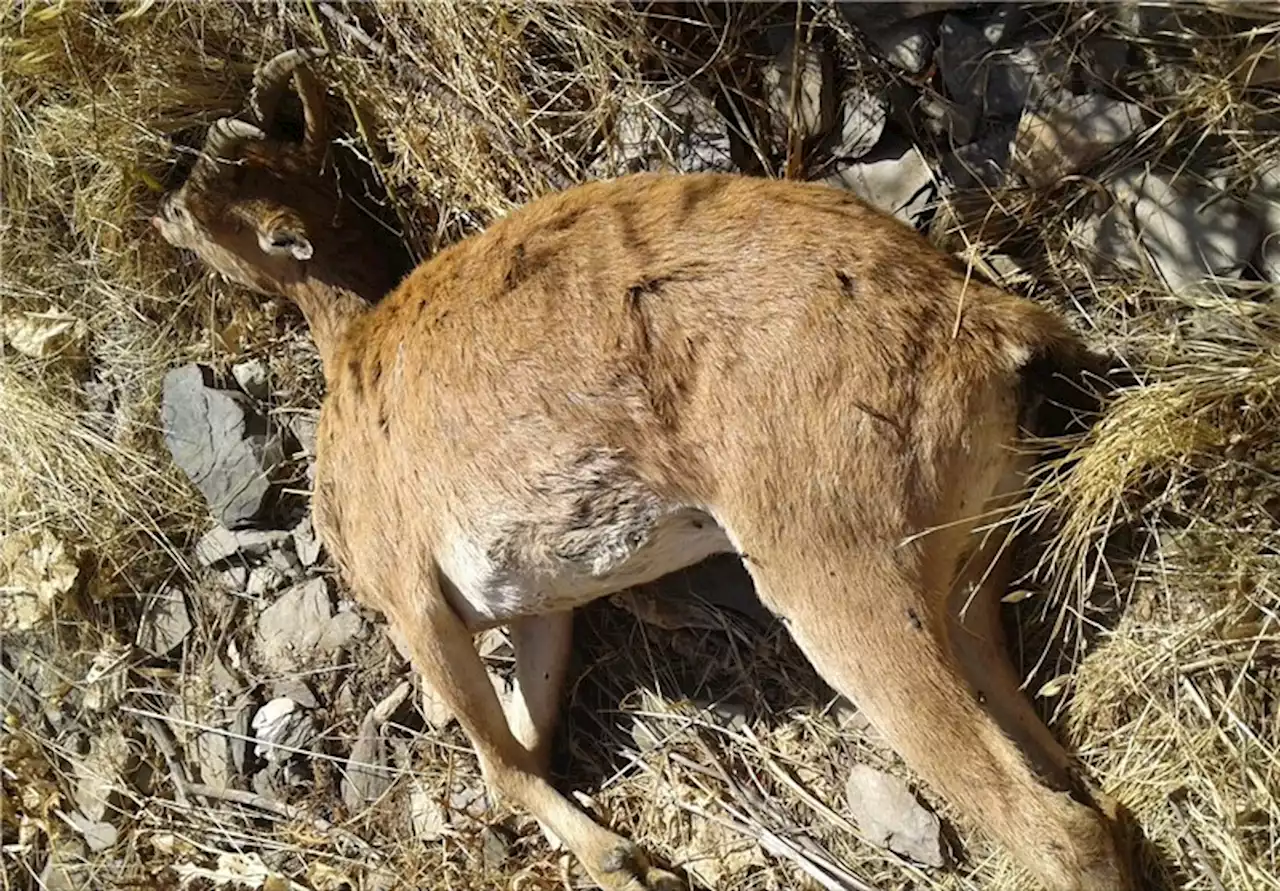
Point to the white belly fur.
(486, 594)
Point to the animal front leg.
(442, 651)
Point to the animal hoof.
(661, 880)
(627, 869)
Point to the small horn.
(269, 80)
(222, 144)
(316, 131)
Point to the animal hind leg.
(976, 639)
(871, 628)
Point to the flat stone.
(220, 443)
(220, 543)
(895, 178)
(213, 755)
(290, 630)
(1183, 231)
(890, 816)
(862, 119)
(165, 623)
(1057, 140)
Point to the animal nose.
(155, 220)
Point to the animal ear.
(286, 241)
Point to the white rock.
(426, 815)
(1184, 232)
(99, 774)
(805, 71)
(99, 836)
(264, 580)
(890, 816)
(678, 129)
(251, 375)
(306, 544)
(280, 726)
(863, 116)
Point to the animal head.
(266, 213)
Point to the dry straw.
(1148, 624)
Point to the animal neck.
(329, 309)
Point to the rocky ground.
(192, 699)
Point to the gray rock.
(251, 375)
(863, 116)
(97, 835)
(219, 543)
(1031, 75)
(983, 162)
(895, 178)
(297, 690)
(1265, 201)
(1064, 138)
(165, 623)
(813, 112)
(961, 56)
(220, 443)
(280, 727)
(946, 119)
(908, 45)
(495, 849)
(366, 777)
(468, 804)
(290, 630)
(677, 129)
(234, 579)
(213, 756)
(306, 544)
(426, 816)
(1183, 232)
(342, 629)
(1104, 62)
(264, 580)
(889, 815)
(999, 81)
(303, 426)
(1003, 23)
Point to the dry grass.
(1153, 618)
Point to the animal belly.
(527, 584)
